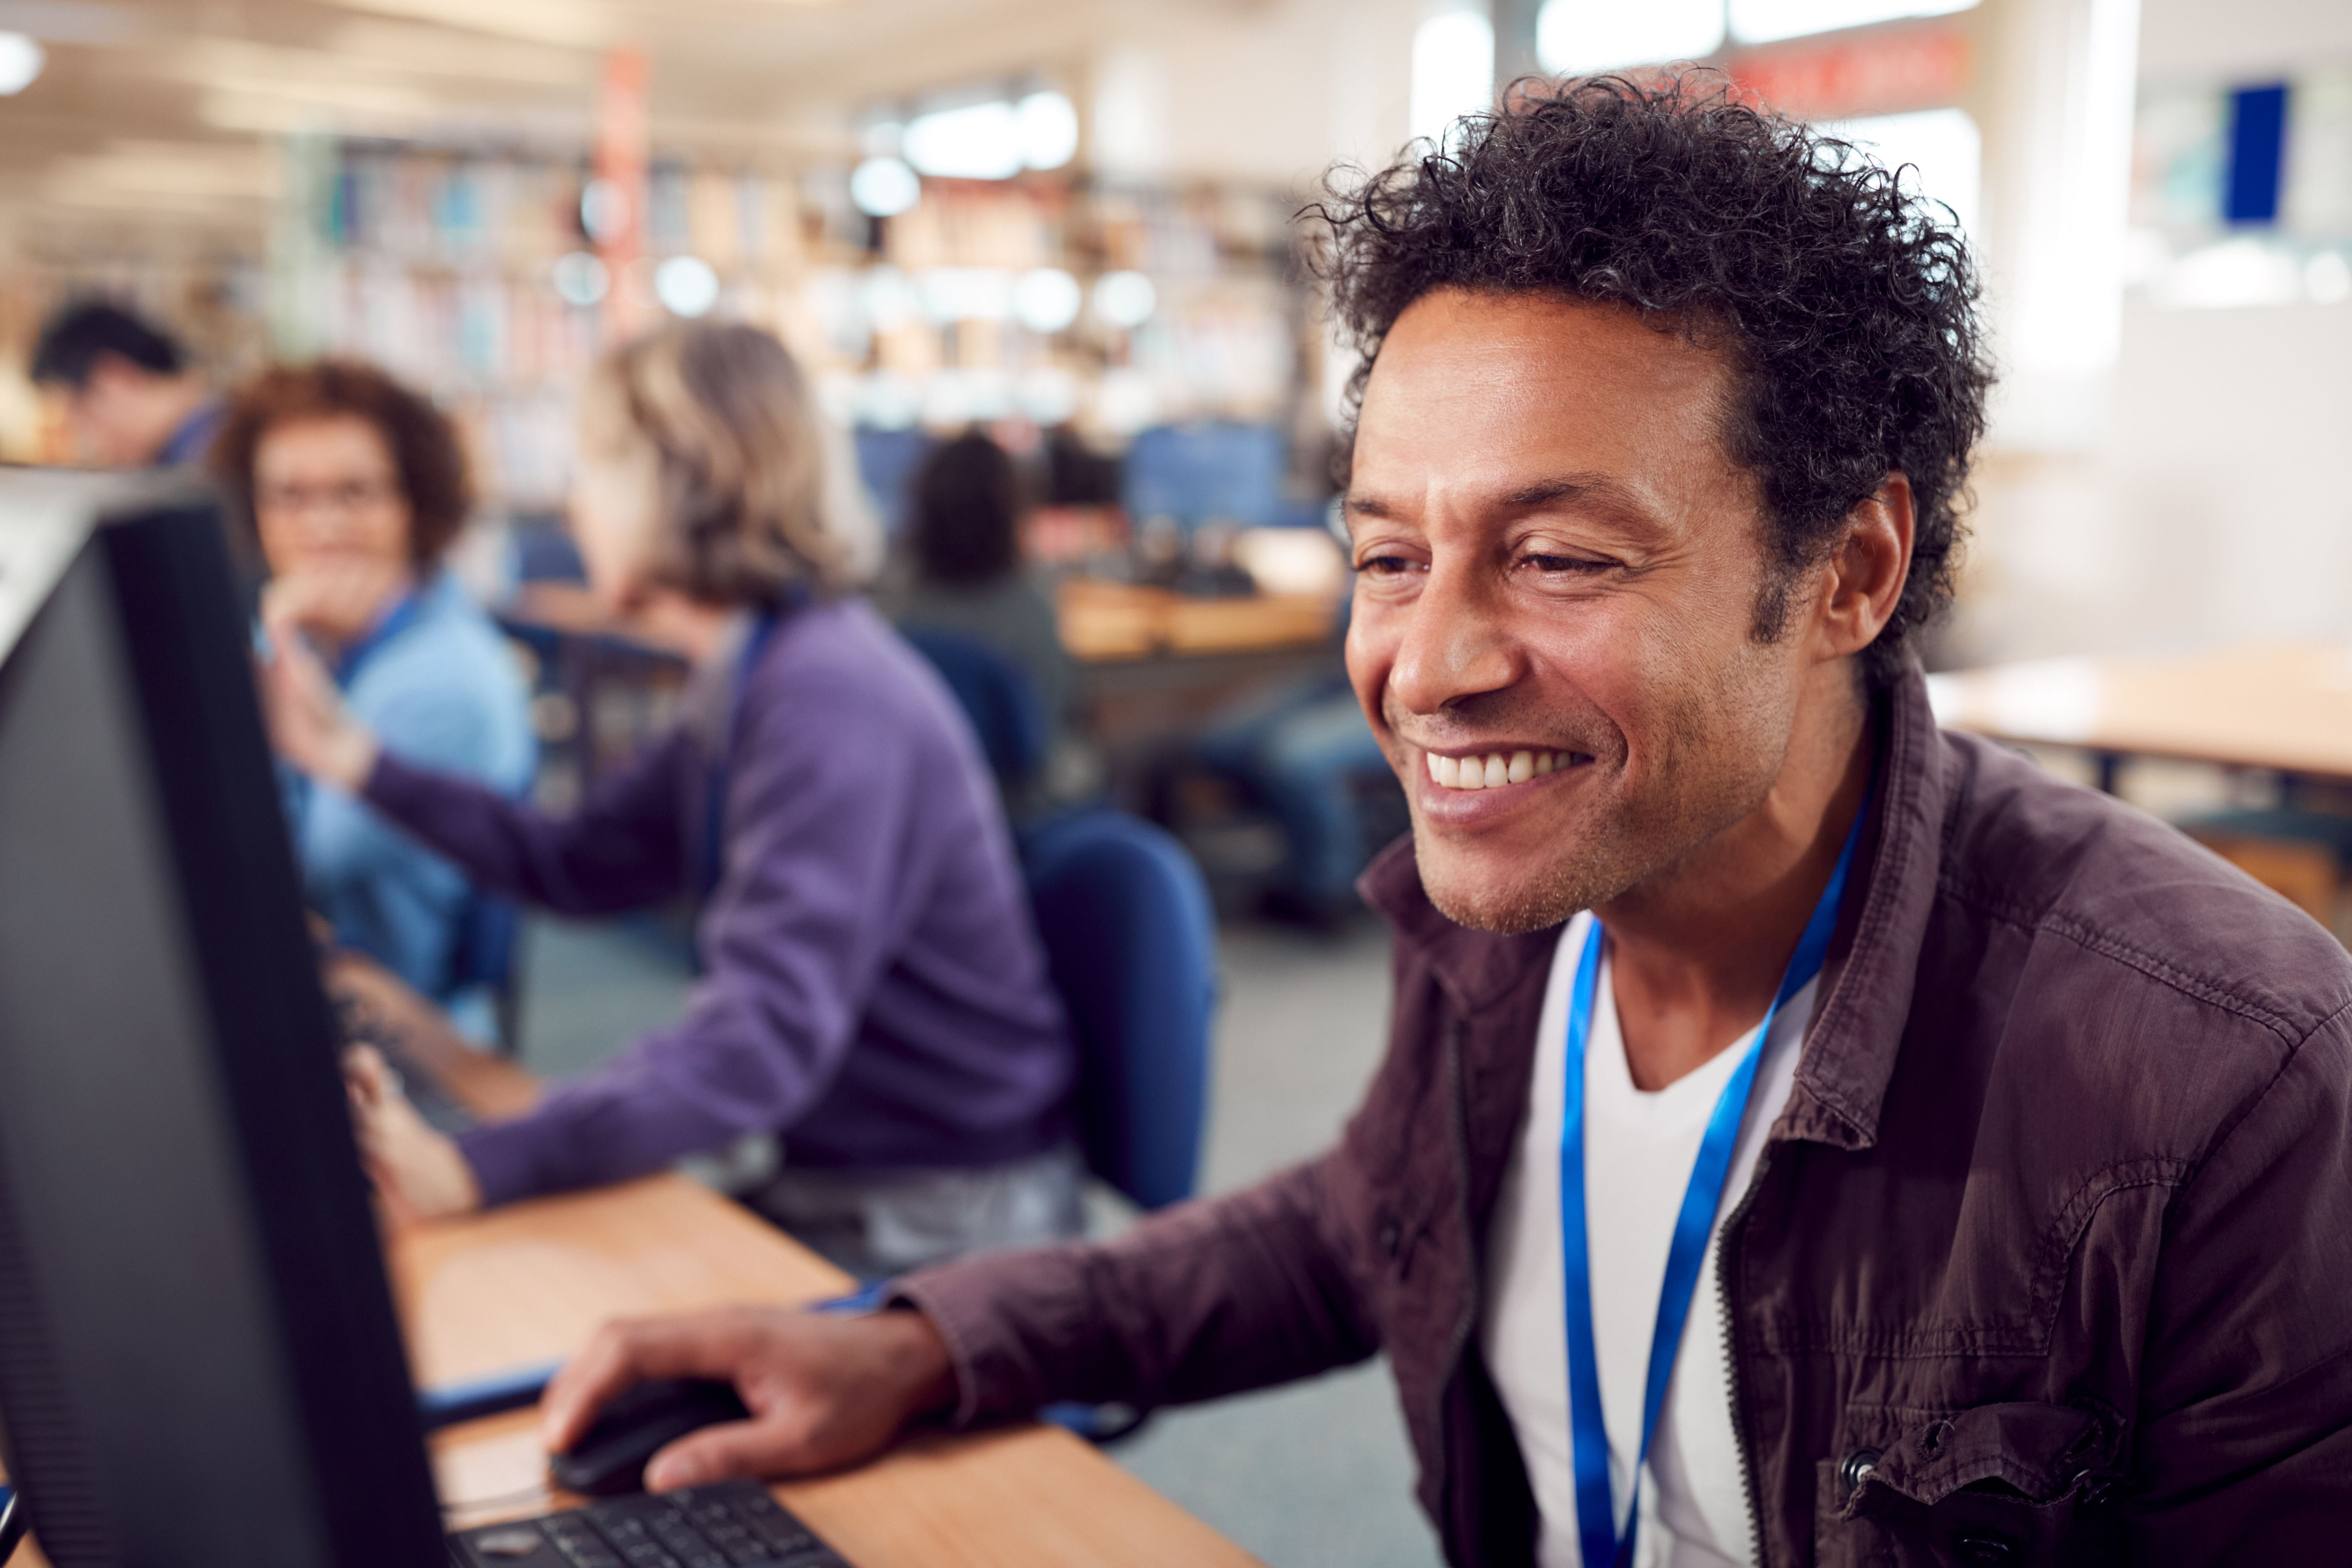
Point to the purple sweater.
(873, 987)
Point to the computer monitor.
(199, 1359)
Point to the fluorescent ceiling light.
(1047, 299)
(968, 293)
(581, 278)
(1046, 126)
(1124, 298)
(884, 188)
(979, 142)
(21, 59)
(1578, 37)
(1762, 21)
(687, 285)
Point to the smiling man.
(1806, 1136)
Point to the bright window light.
(1577, 37)
(20, 63)
(1047, 299)
(1124, 298)
(977, 141)
(1943, 143)
(1761, 21)
(884, 188)
(1453, 70)
(1046, 126)
(687, 285)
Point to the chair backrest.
(1124, 916)
(995, 693)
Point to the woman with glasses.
(872, 993)
(354, 487)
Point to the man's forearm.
(1211, 1299)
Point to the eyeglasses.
(348, 495)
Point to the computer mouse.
(610, 1456)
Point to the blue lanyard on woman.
(1596, 1513)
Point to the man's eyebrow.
(1355, 504)
(1595, 488)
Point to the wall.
(2211, 507)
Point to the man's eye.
(1578, 564)
(1383, 565)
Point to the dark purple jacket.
(873, 987)
(2048, 1261)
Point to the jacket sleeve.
(1209, 1299)
(622, 849)
(2243, 1452)
(809, 912)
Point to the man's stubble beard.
(1703, 790)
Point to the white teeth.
(1495, 769)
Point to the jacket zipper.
(1723, 1278)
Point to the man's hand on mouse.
(824, 1392)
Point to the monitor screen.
(199, 1360)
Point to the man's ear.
(1867, 570)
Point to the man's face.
(1558, 572)
(115, 417)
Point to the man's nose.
(1455, 643)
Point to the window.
(1578, 37)
(1453, 70)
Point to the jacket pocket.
(1998, 1486)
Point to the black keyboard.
(735, 1524)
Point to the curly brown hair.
(424, 447)
(1846, 305)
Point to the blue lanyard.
(1596, 1514)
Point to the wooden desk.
(530, 1282)
(2287, 707)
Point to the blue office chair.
(1124, 917)
(489, 932)
(995, 694)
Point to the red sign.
(1883, 71)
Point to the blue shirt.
(435, 681)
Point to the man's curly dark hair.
(1847, 306)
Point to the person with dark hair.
(131, 398)
(1807, 1136)
(963, 575)
(873, 991)
(350, 488)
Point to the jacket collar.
(1865, 995)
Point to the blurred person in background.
(873, 989)
(353, 488)
(131, 398)
(963, 575)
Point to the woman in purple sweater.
(873, 989)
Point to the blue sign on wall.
(2257, 149)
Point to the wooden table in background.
(2284, 707)
(529, 1283)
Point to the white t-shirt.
(1639, 1149)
